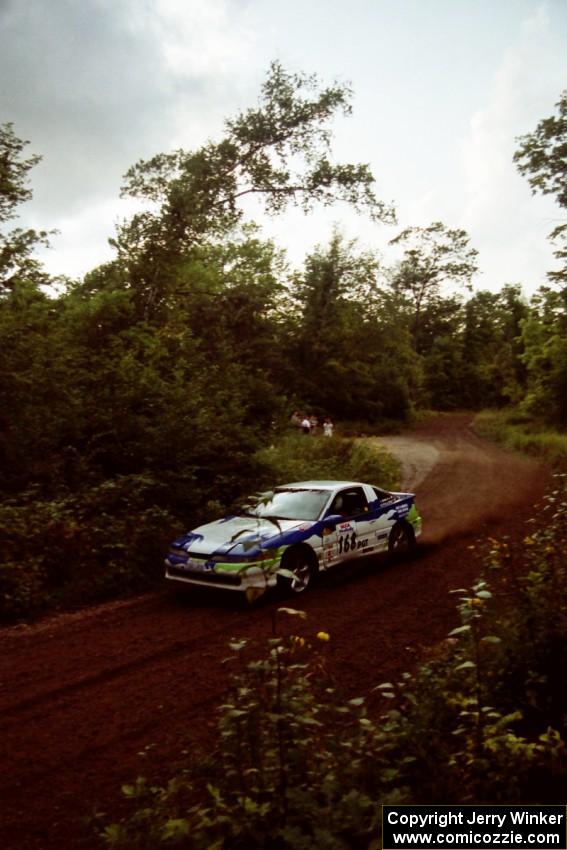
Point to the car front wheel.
(300, 564)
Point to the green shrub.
(488, 719)
(519, 432)
(298, 457)
(107, 540)
(297, 767)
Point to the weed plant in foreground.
(300, 766)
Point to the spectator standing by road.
(295, 420)
(306, 425)
(328, 427)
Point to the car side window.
(349, 503)
(383, 496)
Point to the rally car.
(290, 534)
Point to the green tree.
(278, 152)
(492, 370)
(542, 158)
(544, 338)
(352, 357)
(17, 245)
(433, 257)
(335, 277)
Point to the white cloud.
(506, 223)
(97, 86)
(200, 39)
(81, 241)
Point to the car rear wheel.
(301, 563)
(402, 540)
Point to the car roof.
(319, 485)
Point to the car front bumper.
(236, 577)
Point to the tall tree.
(278, 152)
(352, 358)
(542, 158)
(492, 371)
(433, 256)
(544, 338)
(17, 245)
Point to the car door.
(349, 536)
(385, 511)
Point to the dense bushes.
(298, 766)
(71, 550)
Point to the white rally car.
(292, 533)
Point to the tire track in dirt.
(107, 674)
(462, 481)
(83, 694)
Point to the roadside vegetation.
(299, 765)
(296, 458)
(520, 432)
(144, 398)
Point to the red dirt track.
(83, 694)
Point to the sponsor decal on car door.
(351, 536)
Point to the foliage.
(533, 666)
(300, 458)
(299, 765)
(518, 431)
(542, 157)
(545, 357)
(108, 543)
(492, 369)
(16, 245)
(465, 725)
(353, 359)
(433, 256)
(278, 152)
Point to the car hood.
(238, 535)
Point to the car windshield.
(288, 504)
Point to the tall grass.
(299, 457)
(520, 433)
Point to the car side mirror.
(332, 520)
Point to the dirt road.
(93, 699)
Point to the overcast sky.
(442, 88)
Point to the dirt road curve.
(82, 695)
